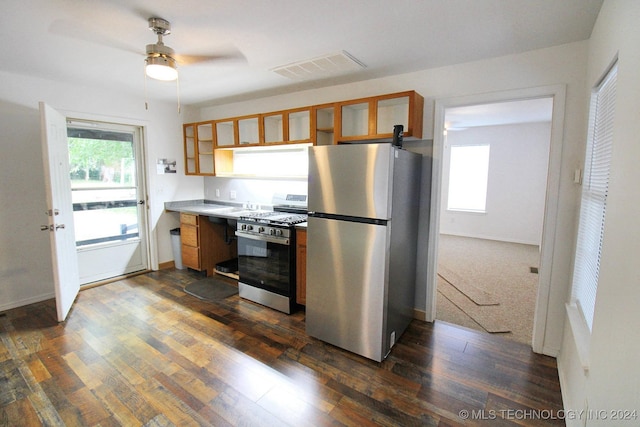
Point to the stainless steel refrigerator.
(361, 245)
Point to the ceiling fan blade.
(84, 32)
(200, 59)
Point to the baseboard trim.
(495, 238)
(166, 265)
(419, 314)
(112, 279)
(27, 301)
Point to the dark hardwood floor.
(141, 351)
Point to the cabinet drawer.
(188, 219)
(191, 257)
(189, 235)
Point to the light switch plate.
(577, 176)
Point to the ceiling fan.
(160, 61)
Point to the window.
(104, 186)
(468, 178)
(594, 197)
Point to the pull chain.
(178, 91)
(146, 101)
(146, 98)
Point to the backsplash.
(250, 190)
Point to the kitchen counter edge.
(207, 208)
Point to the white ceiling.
(102, 43)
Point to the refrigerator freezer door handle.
(374, 221)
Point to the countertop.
(216, 209)
(209, 208)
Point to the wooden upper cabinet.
(323, 124)
(375, 117)
(198, 148)
(274, 127)
(204, 146)
(282, 127)
(249, 130)
(207, 144)
(238, 131)
(226, 131)
(189, 134)
(299, 125)
(356, 119)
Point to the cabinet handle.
(58, 226)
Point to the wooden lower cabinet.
(301, 266)
(203, 243)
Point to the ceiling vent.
(323, 66)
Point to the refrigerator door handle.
(348, 218)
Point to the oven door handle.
(264, 238)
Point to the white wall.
(25, 266)
(516, 188)
(258, 191)
(613, 379)
(564, 64)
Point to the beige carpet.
(499, 269)
(466, 287)
(489, 317)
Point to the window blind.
(594, 196)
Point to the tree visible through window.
(103, 185)
(468, 178)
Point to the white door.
(59, 209)
(108, 193)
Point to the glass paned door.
(108, 200)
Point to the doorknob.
(46, 228)
(141, 202)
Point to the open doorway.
(494, 180)
(545, 237)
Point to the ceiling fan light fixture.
(160, 64)
(161, 68)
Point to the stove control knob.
(249, 227)
(272, 231)
(278, 232)
(243, 227)
(260, 229)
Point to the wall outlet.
(232, 194)
(217, 192)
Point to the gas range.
(276, 218)
(288, 210)
(266, 254)
(269, 225)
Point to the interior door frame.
(151, 244)
(558, 93)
